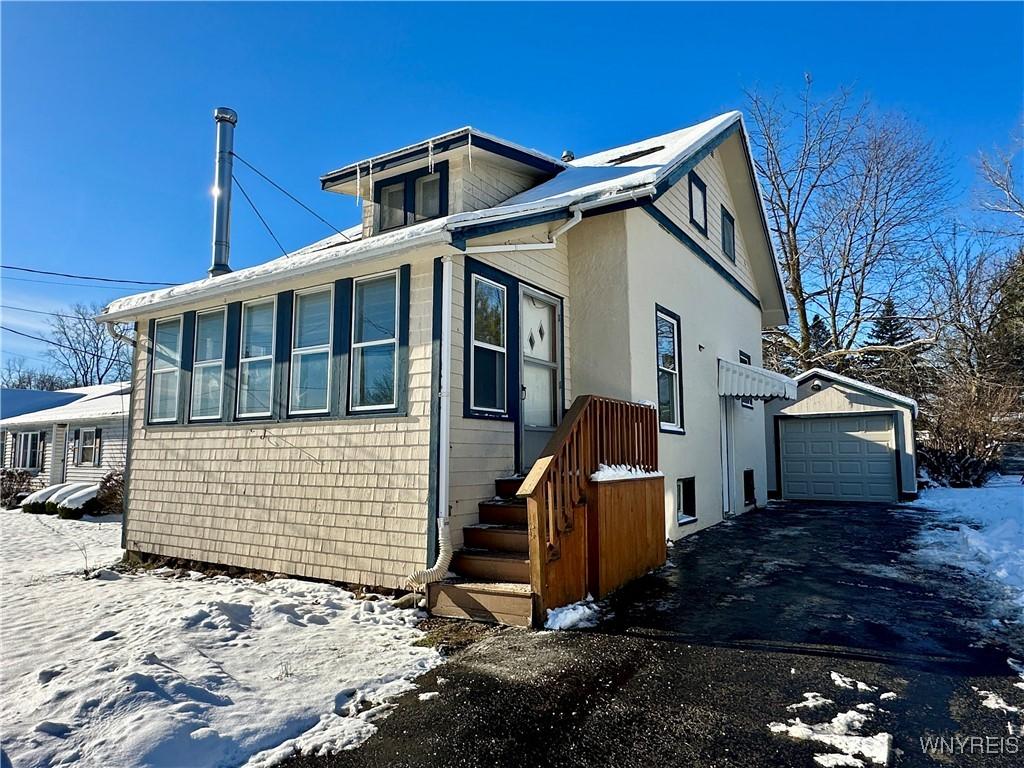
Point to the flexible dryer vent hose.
(444, 559)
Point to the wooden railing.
(596, 430)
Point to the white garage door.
(838, 458)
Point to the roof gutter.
(577, 217)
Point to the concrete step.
(488, 565)
(493, 602)
(503, 538)
(503, 512)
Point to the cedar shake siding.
(342, 499)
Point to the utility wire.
(38, 312)
(258, 214)
(85, 277)
(284, 191)
(62, 346)
(74, 285)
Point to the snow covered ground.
(165, 669)
(982, 531)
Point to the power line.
(39, 312)
(63, 346)
(73, 285)
(86, 277)
(284, 191)
(258, 214)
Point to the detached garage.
(841, 440)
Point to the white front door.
(540, 372)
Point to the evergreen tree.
(903, 371)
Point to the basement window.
(416, 196)
(686, 500)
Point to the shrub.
(67, 513)
(14, 485)
(110, 497)
(50, 508)
(35, 508)
(964, 437)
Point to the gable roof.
(632, 174)
(821, 373)
(96, 403)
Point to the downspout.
(577, 217)
(444, 555)
(117, 335)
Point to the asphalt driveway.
(691, 663)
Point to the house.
(80, 439)
(14, 402)
(355, 410)
(841, 440)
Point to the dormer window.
(416, 196)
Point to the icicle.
(470, 145)
(430, 156)
(359, 188)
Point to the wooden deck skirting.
(583, 537)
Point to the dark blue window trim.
(660, 310)
(187, 326)
(698, 182)
(511, 286)
(729, 248)
(409, 182)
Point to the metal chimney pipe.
(225, 119)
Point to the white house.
(317, 414)
(80, 440)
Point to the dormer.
(464, 170)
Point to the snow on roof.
(630, 170)
(862, 385)
(633, 166)
(95, 403)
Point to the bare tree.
(17, 374)
(84, 351)
(1003, 194)
(853, 198)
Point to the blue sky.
(107, 133)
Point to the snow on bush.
(147, 669)
(981, 530)
(581, 615)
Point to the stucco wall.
(836, 399)
(339, 499)
(716, 322)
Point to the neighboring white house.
(842, 440)
(78, 441)
(302, 416)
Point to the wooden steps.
(493, 566)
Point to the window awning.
(740, 380)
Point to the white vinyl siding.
(256, 358)
(374, 342)
(312, 323)
(489, 358)
(208, 365)
(166, 370)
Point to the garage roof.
(863, 386)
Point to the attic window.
(635, 155)
(412, 197)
